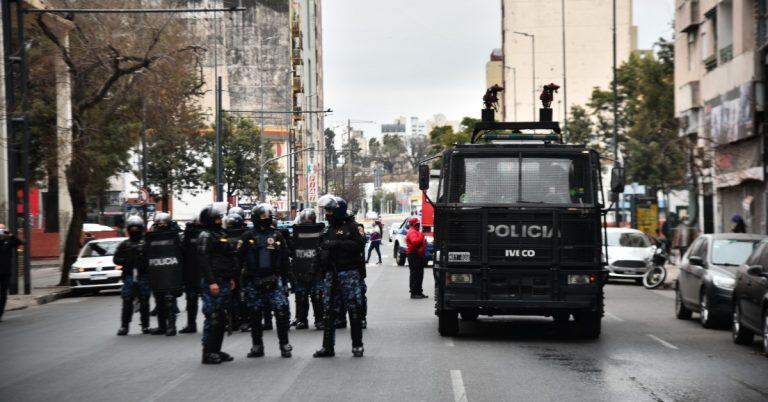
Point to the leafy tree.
(103, 57)
(331, 158)
(418, 149)
(393, 150)
(579, 126)
(241, 159)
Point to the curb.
(41, 299)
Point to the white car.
(629, 253)
(397, 234)
(94, 269)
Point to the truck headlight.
(724, 282)
(459, 279)
(581, 279)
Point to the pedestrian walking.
(376, 235)
(130, 255)
(416, 250)
(340, 258)
(739, 226)
(8, 245)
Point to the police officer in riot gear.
(217, 259)
(166, 298)
(340, 246)
(307, 277)
(191, 275)
(234, 227)
(237, 211)
(265, 259)
(130, 255)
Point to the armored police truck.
(519, 226)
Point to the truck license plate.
(459, 256)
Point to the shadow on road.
(512, 328)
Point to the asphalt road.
(68, 350)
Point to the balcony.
(726, 54)
(688, 16)
(710, 62)
(296, 57)
(298, 85)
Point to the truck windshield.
(521, 180)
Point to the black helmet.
(336, 207)
(260, 210)
(162, 220)
(238, 211)
(233, 221)
(212, 212)
(306, 216)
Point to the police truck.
(519, 223)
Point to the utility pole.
(565, 77)
(219, 184)
(615, 111)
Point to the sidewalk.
(45, 278)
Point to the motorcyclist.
(265, 259)
(341, 246)
(219, 267)
(130, 255)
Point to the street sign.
(312, 188)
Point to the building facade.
(588, 51)
(719, 100)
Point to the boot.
(328, 338)
(317, 310)
(209, 357)
(285, 350)
(216, 337)
(191, 327)
(144, 314)
(170, 316)
(357, 351)
(126, 314)
(225, 357)
(161, 317)
(356, 330)
(257, 350)
(281, 318)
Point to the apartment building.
(719, 100)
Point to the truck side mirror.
(423, 177)
(617, 180)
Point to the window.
(694, 248)
(731, 252)
(99, 249)
(521, 180)
(691, 49)
(628, 239)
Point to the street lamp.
(533, 68)
(514, 87)
(263, 173)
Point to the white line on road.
(459, 393)
(609, 315)
(663, 342)
(168, 387)
(449, 343)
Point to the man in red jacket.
(416, 248)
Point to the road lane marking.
(168, 387)
(609, 315)
(663, 342)
(449, 343)
(459, 393)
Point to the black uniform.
(130, 255)
(191, 275)
(165, 297)
(217, 259)
(8, 245)
(306, 275)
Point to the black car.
(750, 299)
(708, 276)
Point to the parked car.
(750, 299)
(629, 253)
(707, 276)
(94, 268)
(371, 215)
(397, 235)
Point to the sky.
(385, 59)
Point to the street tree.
(103, 57)
(392, 150)
(418, 149)
(579, 126)
(242, 157)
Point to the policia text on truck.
(519, 224)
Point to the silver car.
(629, 253)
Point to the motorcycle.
(657, 274)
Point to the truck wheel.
(469, 315)
(589, 324)
(400, 258)
(448, 323)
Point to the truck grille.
(518, 287)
